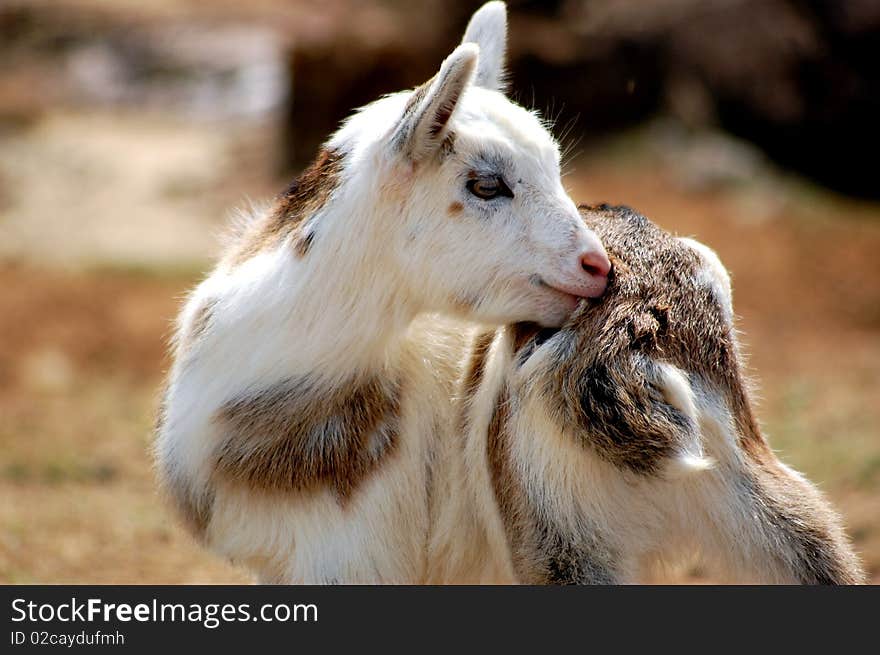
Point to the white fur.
(488, 28)
(493, 251)
(386, 251)
(468, 543)
(678, 393)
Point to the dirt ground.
(82, 351)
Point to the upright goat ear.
(488, 29)
(426, 117)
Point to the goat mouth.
(542, 284)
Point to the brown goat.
(626, 441)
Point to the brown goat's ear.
(639, 414)
(425, 121)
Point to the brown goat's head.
(620, 370)
(628, 434)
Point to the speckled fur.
(625, 443)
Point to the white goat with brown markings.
(626, 440)
(310, 387)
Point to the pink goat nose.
(596, 263)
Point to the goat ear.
(488, 29)
(426, 117)
(676, 393)
(639, 414)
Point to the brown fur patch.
(455, 209)
(305, 196)
(297, 437)
(477, 366)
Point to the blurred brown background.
(129, 129)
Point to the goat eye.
(488, 187)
